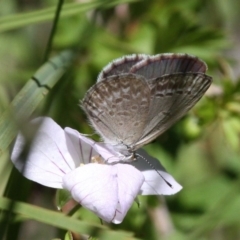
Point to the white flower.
(60, 158)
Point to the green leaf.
(231, 127)
(31, 95)
(62, 197)
(69, 9)
(68, 236)
(61, 221)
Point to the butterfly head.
(124, 152)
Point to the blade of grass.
(69, 9)
(54, 28)
(31, 95)
(61, 221)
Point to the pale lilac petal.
(48, 159)
(86, 148)
(106, 190)
(94, 186)
(79, 146)
(157, 180)
(130, 181)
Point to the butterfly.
(138, 97)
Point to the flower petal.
(86, 148)
(79, 146)
(157, 180)
(107, 190)
(130, 181)
(94, 186)
(48, 159)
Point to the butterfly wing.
(172, 96)
(120, 66)
(118, 108)
(152, 67)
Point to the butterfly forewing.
(153, 66)
(120, 66)
(172, 96)
(164, 64)
(118, 108)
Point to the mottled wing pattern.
(120, 66)
(172, 96)
(138, 97)
(163, 64)
(118, 108)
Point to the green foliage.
(201, 151)
(62, 197)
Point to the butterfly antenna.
(150, 164)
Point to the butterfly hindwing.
(118, 108)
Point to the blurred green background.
(201, 151)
